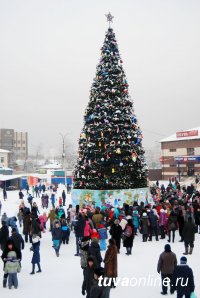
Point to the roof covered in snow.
(190, 134)
(4, 151)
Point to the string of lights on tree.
(110, 155)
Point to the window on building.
(190, 151)
(24, 148)
(2, 159)
(24, 142)
(172, 150)
(18, 142)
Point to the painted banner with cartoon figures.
(114, 198)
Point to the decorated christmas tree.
(111, 155)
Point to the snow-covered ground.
(62, 277)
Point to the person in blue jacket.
(36, 254)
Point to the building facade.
(16, 142)
(4, 158)
(181, 154)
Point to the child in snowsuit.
(36, 253)
(65, 231)
(12, 267)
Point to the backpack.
(128, 231)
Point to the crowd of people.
(175, 210)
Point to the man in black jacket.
(17, 239)
(183, 279)
(4, 235)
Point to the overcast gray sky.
(48, 55)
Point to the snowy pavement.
(63, 276)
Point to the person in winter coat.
(110, 260)
(65, 231)
(87, 228)
(181, 222)
(97, 218)
(20, 217)
(36, 254)
(27, 221)
(9, 247)
(36, 227)
(166, 265)
(79, 231)
(183, 279)
(136, 218)
(30, 200)
(88, 275)
(12, 267)
(56, 236)
(84, 246)
(17, 239)
(35, 210)
(51, 216)
(94, 251)
(12, 222)
(4, 194)
(103, 236)
(63, 197)
(189, 236)
(144, 226)
(4, 235)
(0, 207)
(21, 195)
(116, 233)
(197, 218)
(128, 236)
(99, 290)
(4, 218)
(153, 219)
(53, 199)
(162, 223)
(172, 225)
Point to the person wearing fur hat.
(183, 279)
(88, 275)
(166, 265)
(110, 260)
(12, 267)
(94, 251)
(36, 254)
(144, 226)
(10, 246)
(116, 233)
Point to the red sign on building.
(189, 133)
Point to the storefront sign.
(189, 133)
(187, 159)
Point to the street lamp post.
(63, 154)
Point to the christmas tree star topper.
(109, 18)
